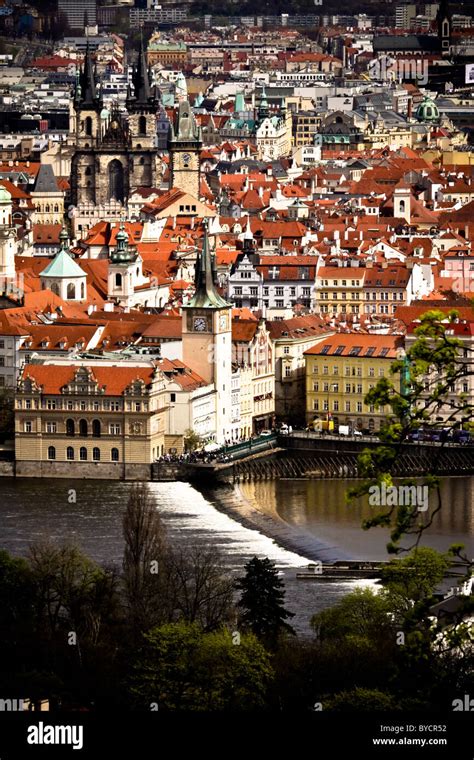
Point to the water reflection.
(320, 507)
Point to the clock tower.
(184, 144)
(207, 337)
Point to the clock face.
(223, 322)
(200, 324)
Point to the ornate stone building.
(114, 154)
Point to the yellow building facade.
(340, 371)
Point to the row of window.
(82, 429)
(343, 283)
(356, 296)
(348, 407)
(348, 371)
(82, 406)
(83, 454)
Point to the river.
(90, 512)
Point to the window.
(359, 387)
(384, 352)
(315, 369)
(355, 350)
(279, 303)
(172, 397)
(83, 454)
(50, 427)
(96, 428)
(286, 349)
(118, 280)
(316, 405)
(114, 455)
(326, 370)
(28, 426)
(83, 428)
(114, 429)
(51, 404)
(51, 452)
(381, 373)
(371, 372)
(336, 406)
(316, 387)
(28, 403)
(370, 351)
(138, 406)
(359, 406)
(70, 427)
(347, 406)
(335, 370)
(96, 454)
(288, 371)
(69, 453)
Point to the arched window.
(71, 290)
(54, 288)
(83, 290)
(142, 161)
(116, 183)
(70, 427)
(138, 271)
(88, 171)
(96, 454)
(96, 428)
(142, 125)
(114, 455)
(51, 452)
(46, 208)
(83, 454)
(118, 280)
(88, 126)
(56, 209)
(83, 427)
(402, 206)
(69, 453)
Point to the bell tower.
(185, 143)
(444, 21)
(207, 337)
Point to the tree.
(362, 616)
(434, 365)
(198, 589)
(362, 700)
(413, 580)
(192, 440)
(144, 559)
(182, 668)
(261, 601)
(7, 413)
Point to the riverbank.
(231, 501)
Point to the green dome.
(427, 110)
(5, 196)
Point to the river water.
(90, 514)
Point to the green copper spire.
(123, 253)
(205, 280)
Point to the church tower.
(125, 270)
(185, 143)
(207, 337)
(444, 21)
(113, 155)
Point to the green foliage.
(182, 668)
(261, 601)
(192, 440)
(362, 700)
(360, 617)
(413, 580)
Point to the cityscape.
(236, 368)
